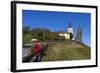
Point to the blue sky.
(58, 21)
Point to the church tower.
(69, 34)
(70, 29)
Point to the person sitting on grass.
(36, 51)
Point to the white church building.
(68, 33)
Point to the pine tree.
(79, 34)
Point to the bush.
(71, 36)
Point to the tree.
(79, 34)
(26, 30)
(27, 38)
(41, 34)
(71, 36)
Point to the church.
(68, 34)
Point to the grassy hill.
(68, 50)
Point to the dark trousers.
(36, 58)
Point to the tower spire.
(70, 29)
(70, 24)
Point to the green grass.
(65, 51)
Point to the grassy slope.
(66, 51)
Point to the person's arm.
(32, 50)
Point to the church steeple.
(70, 29)
(70, 25)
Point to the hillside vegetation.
(59, 48)
(67, 51)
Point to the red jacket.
(37, 49)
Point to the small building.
(65, 34)
(68, 34)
